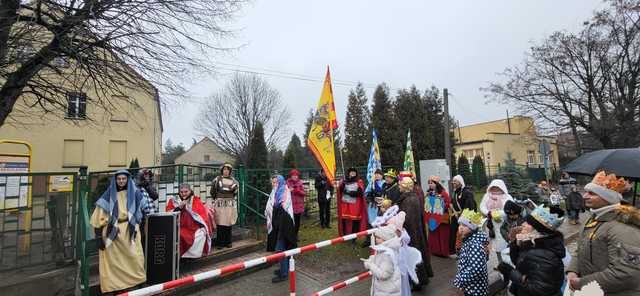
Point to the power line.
(464, 109)
(294, 76)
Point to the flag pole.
(341, 161)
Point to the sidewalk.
(307, 282)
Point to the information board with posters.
(14, 164)
(61, 183)
(14, 189)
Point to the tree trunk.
(576, 136)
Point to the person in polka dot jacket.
(472, 278)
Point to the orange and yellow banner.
(320, 139)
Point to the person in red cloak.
(352, 206)
(436, 209)
(195, 228)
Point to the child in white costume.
(408, 257)
(384, 264)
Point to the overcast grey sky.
(459, 45)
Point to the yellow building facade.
(497, 141)
(83, 134)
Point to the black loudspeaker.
(163, 242)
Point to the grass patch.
(332, 261)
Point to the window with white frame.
(77, 105)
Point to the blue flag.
(374, 162)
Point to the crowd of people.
(120, 217)
(412, 226)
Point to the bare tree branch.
(152, 45)
(586, 81)
(229, 117)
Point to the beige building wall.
(493, 142)
(103, 142)
(203, 153)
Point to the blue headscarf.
(279, 194)
(109, 203)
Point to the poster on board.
(61, 183)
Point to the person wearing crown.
(462, 198)
(472, 277)
(390, 189)
(537, 253)
(609, 243)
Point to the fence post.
(292, 276)
(242, 194)
(81, 227)
(180, 173)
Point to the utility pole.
(447, 128)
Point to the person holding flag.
(374, 180)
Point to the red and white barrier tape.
(343, 284)
(158, 288)
(292, 276)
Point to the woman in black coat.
(537, 254)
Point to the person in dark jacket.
(537, 254)
(416, 228)
(574, 205)
(461, 199)
(281, 235)
(514, 218)
(323, 186)
(390, 190)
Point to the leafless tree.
(587, 81)
(229, 116)
(49, 48)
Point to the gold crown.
(473, 216)
(609, 181)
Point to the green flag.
(409, 163)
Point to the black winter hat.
(512, 208)
(352, 169)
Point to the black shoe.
(278, 279)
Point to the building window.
(117, 153)
(531, 156)
(540, 158)
(478, 152)
(77, 105)
(73, 153)
(207, 158)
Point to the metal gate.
(37, 219)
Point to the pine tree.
(258, 159)
(293, 157)
(464, 171)
(171, 152)
(435, 123)
(258, 153)
(384, 120)
(276, 158)
(478, 171)
(357, 135)
(410, 108)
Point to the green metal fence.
(535, 173)
(37, 219)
